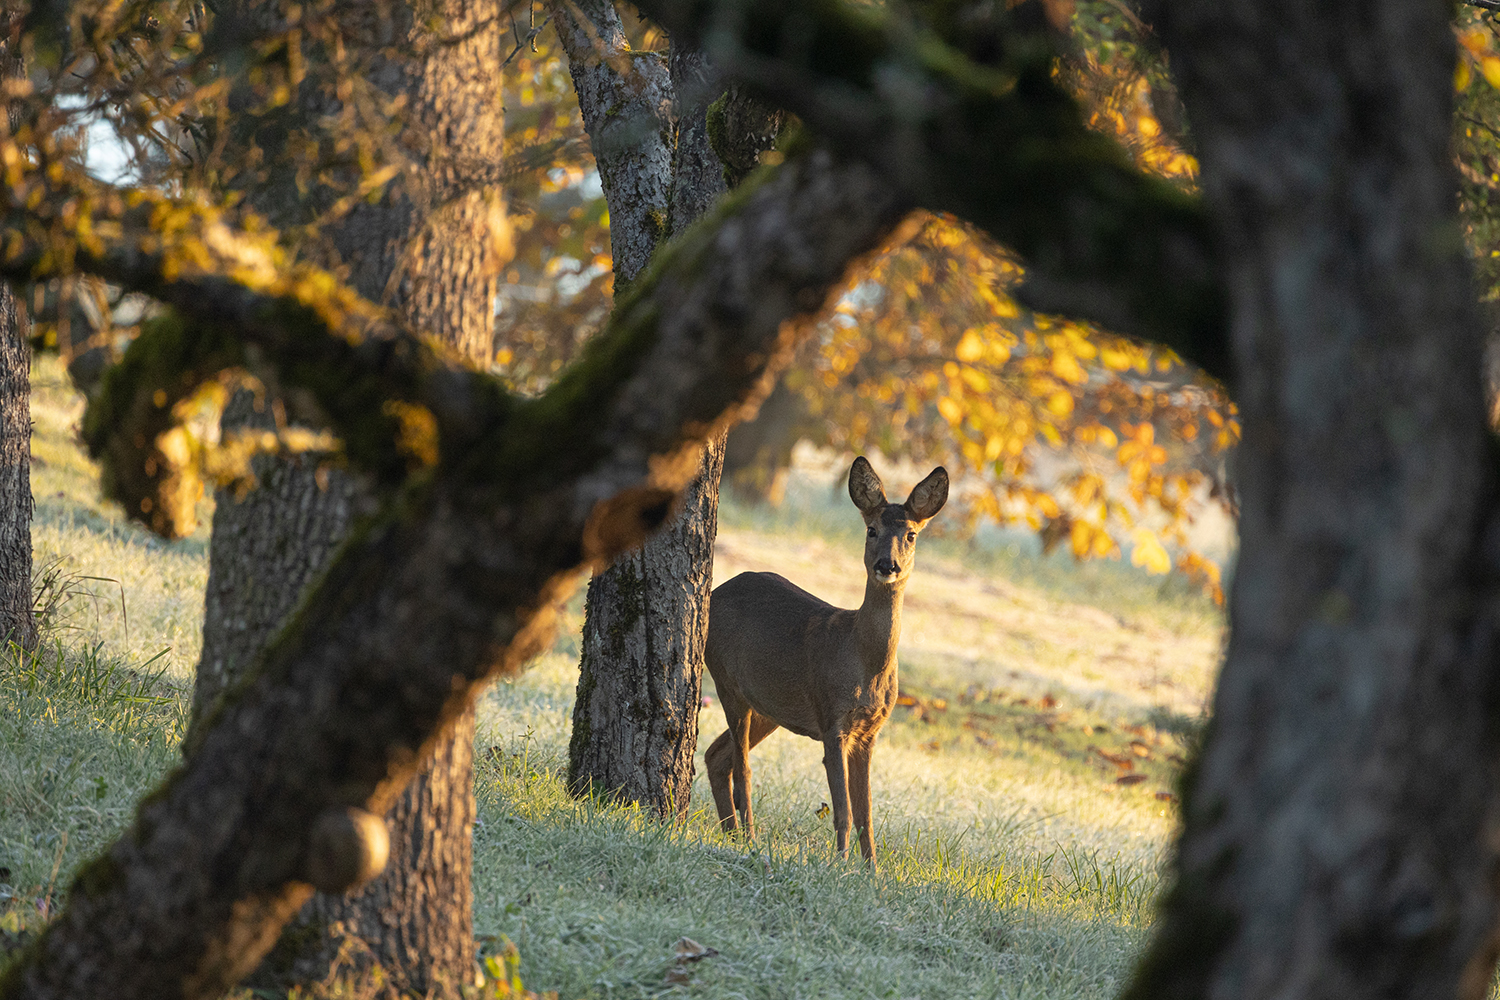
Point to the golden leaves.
(927, 356)
(1148, 552)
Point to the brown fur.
(781, 657)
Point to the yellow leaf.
(970, 348)
(951, 411)
(1060, 403)
(1081, 539)
(1490, 67)
(1066, 367)
(1462, 76)
(975, 380)
(1149, 553)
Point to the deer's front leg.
(838, 788)
(859, 796)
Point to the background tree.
(427, 244)
(635, 720)
(17, 623)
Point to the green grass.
(1014, 862)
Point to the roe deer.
(781, 657)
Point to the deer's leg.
(739, 732)
(752, 730)
(859, 796)
(834, 750)
(718, 760)
(759, 728)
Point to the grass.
(1023, 790)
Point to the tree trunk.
(17, 620)
(1339, 824)
(635, 717)
(441, 230)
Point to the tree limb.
(966, 118)
(453, 584)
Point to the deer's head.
(891, 528)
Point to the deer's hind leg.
(718, 760)
(756, 728)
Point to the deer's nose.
(886, 567)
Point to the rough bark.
(626, 100)
(17, 622)
(635, 718)
(452, 585)
(428, 248)
(1339, 825)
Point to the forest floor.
(1023, 792)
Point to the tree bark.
(635, 716)
(17, 621)
(626, 100)
(1339, 833)
(430, 250)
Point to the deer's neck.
(877, 625)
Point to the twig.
(530, 37)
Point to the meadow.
(1023, 790)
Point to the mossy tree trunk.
(635, 718)
(414, 920)
(17, 622)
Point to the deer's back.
(764, 636)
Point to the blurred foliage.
(558, 288)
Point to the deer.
(781, 657)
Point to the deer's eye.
(873, 532)
(911, 536)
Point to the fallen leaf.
(1166, 797)
(1048, 701)
(1139, 749)
(905, 700)
(1130, 779)
(689, 950)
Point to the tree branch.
(453, 584)
(983, 132)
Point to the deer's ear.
(929, 495)
(864, 487)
